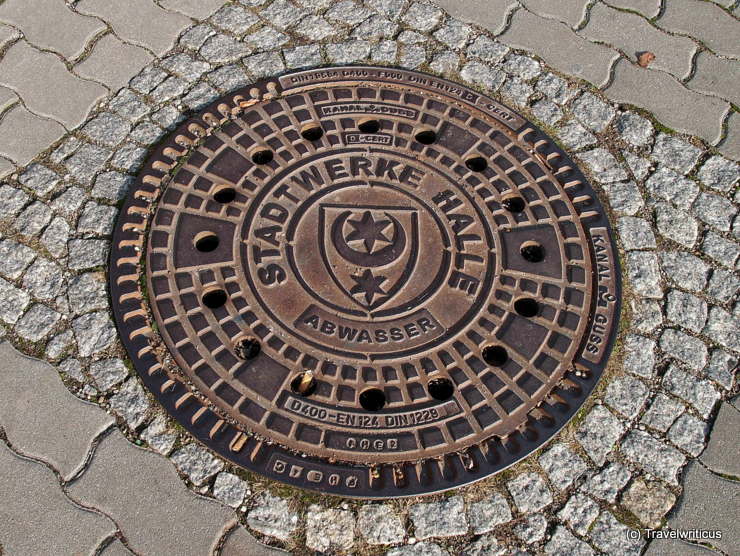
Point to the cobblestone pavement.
(89, 462)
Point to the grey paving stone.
(87, 253)
(422, 16)
(685, 270)
(487, 513)
(128, 157)
(598, 433)
(635, 233)
(113, 62)
(671, 103)
(532, 530)
(234, 19)
(116, 548)
(412, 56)
(68, 101)
(112, 186)
(230, 489)
(271, 515)
(73, 369)
(51, 26)
(227, 78)
(639, 166)
(31, 496)
(686, 310)
(148, 79)
(593, 112)
(689, 434)
(59, 344)
(633, 34)
(55, 237)
(560, 47)
(562, 465)
(41, 418)
(517, 91)
(221, 48)
(69, 201)
(329, 530)
(197, 463)
(608, 483)
(715, 210)
(169, 88)
(283, 14)
(643, 273)
(720, 249)
(529, 491)
(653, 455)
(639, 355)
(698, 392)
(194, 37)
(33, 219)
(94, 332)
(683, 347)
(264, 65)
(663, 411)
(65, 150)
(646, 315)
(716, 76)
(132, 404)
(419, 549)
(168, 116)
(159, 436)
(670, 547)
(37, 322)
(160, 513)
(667, 185)
(626, 395)
(483, 74)
(704, 21)
(675, 153)
(108, 373)
(522, 66)
(624, 197)
(634, 129)
(39, 179)
(14, 258)
(266, 38)
(648, 8)
(571, 12)
(96, 220)
(649, 502)
(7, 35)
(708, 502)
(198, 9)
(563, 543)
(128, 105)
(87, 161)
(487, 49)
(385, 51)
(579, 512)
(240, 543)
(200, 95)
(347, 11)
(379, 524)
(575, 136)
(723, 328)
(25, 135)
(489, 14)
(444, 62)
(720, 453)
(126, 22)
(722, 368)
(13, 201)
(604, 167)
(445, 518)
(719, 173)
(375, 27)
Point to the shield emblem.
(369, 251)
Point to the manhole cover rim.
(229, 441)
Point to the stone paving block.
(704, 21)
(7, 98)
(198, 9)
(49, 90)
(116, 548)
(555, 43)
(51, 25)
(571, 12)
(708, 502)
(141, 22)
(716, 76)
(41, 418)
(730, 146)
(240, 543)
(113, 62)
(648, 8)
(671, 547)
(159, 515)
(37, 518)
(671, 102)
(7, 35)
(23, 135)
(632, 34)
(6, 167)
(329, 530)
(720, 455)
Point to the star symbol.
(368, 230)
(368, 284)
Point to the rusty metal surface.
(366, 281)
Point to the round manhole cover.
(366, 281)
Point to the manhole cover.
(365, 281)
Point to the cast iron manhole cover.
(366, 281)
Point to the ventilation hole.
(312, 133)
(262, 156)
(526, 307)
(214, 299)
(205, 242)
(441, 389)
(369, 126)
(225, 195)
(532, 251)
(426, 137)
(247, 348)
(514, 204)
(373, 399)
(495, 355)
(304, 384)
(476, 163)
